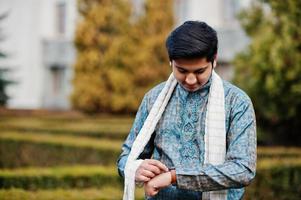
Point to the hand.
(152, 187)
(148, 169)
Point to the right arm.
(149, 168)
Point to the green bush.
(269, 70)
(60, 177)
(120, 55)
(276, 182)
(66, 140)
(59, 131)
(278, 152)
(100, 127)
(104, 193)
(278, 168)
(16, 153)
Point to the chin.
(192, 89)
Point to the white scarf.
(215, 134)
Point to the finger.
(158, 164)
(150, 191)
(152, 168)
(142, 178)
(153, 193)
(148, 173)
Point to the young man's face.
(192, 74)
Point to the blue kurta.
(178, 142)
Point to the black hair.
(193, 39)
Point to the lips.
(191, 88)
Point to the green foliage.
(85, 166)
(119, 57)
(50, 141)
(277, 182)
(3, 72)
(60, 177)
(278, 152)
(101, 144)
(104, 193)
(3, 85)
(15, 154)
(98, 127)
(269, 70)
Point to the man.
(175, 162)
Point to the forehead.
(193, 64)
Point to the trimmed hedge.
(278, 152)
(60, 177)
(62, 142)
(19, 150)
(23, 153)
(279, 181)
(113, 128)
(61, 194)
(66, 140)
(89, 133)
(105, 193)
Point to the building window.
(57, 78)
(61, 18)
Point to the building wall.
(39, 35)
(21, 31)
(221, 15)
(28, 24)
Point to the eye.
(181, 70)
(200, 72)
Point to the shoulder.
(147, 102)
(235, 96)
(151, 96)
(155, 91)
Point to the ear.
(215, 61)
(169, 63)
(214, 64)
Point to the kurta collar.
(202, 92)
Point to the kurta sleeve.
(240, 163)
(141, 116)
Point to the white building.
(38, 42)
(221, 15)
(39, 35)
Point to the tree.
(120, 56)
(143, 55)
(269, 70)
(103, 23)
(152, 30)
(3, 72)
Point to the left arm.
(240, 163)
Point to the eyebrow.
(203, 68)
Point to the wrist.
(173, 176)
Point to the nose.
(191, 79)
